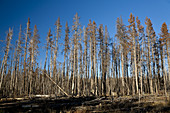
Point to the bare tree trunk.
(77, 36)
(141, 72)
(135, 65)
(86, 60)
(95, 59)
(164, 74)
(74, 70)
(149, 66)
(25, 54)
(122, 65)
(91, 63)
(44, 71)
(18, 56)
(167, 51)
(153, 59)
(58, 33)
(9, 37)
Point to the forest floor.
(146, 103)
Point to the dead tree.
(121, 35)
(86, 62)
(33, 52)
(76, 35)
(164, 42)
(141, 49)
(4, 61)
(148, 31)
(45, 63)
(66, 53)
(95, 58)
(27, 35)
(133, 35)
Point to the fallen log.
(42, 96)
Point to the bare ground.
(146, 103)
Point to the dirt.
(147, 103)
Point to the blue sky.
(44, 14)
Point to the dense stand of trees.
(94, 63)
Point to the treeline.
(94, 64)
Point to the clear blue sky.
(44, 14)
